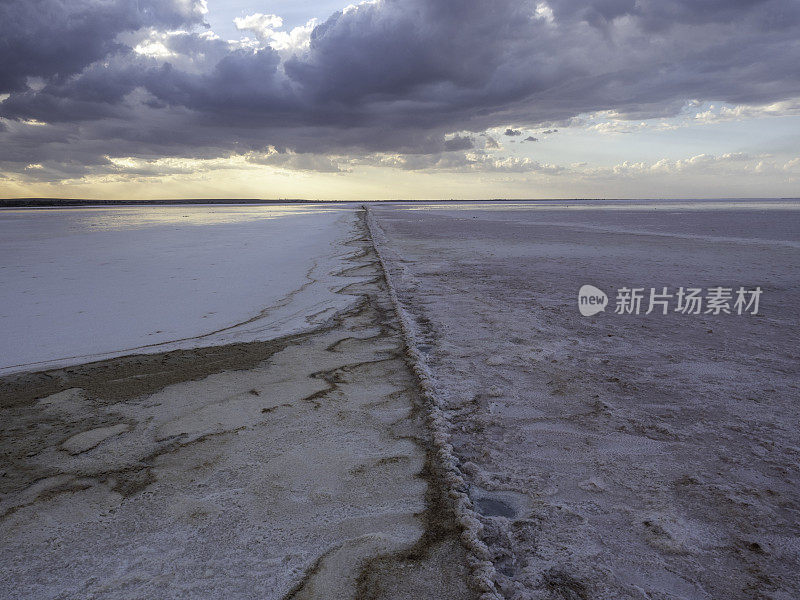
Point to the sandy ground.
(295, 468)
(613, 457)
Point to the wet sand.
(296, 468)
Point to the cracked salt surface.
(296, 468)
(650, 457)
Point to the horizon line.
(32, 202)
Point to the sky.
(390, 99)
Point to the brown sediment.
(436, 566)
(127, 377)
(115, 380)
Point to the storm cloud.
(54, 39)
(88, 79)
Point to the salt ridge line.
(479, 558)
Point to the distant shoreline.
(79, 202)
(70, 202)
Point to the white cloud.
(355, 7)
(744, 111)
(263, 26)
(544, 12)
(476, 161)
(700, 164)
(190, 7)
(297, 39)
(153, 49)
(266, 29)
(617, 126)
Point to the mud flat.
(295, 468)
(615, 456)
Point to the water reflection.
(136, 217)
(106, 218)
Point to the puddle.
(493, 507)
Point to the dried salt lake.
(265, 433)
(619, 455)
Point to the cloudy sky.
(399, 98)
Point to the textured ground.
(614, 457)
(298, 468)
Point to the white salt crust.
(481, 567)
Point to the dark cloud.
(663, 15)
(58, 38)
(391, 76)
(459, 143)
(530, 138)
(549, 131)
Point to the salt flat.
(264, 434)
(298, 467)
(614, 456)
(82, 284)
